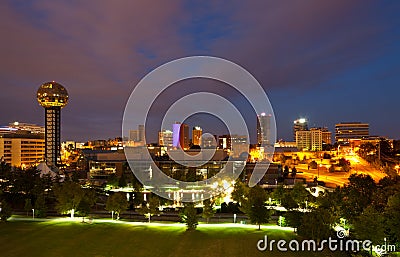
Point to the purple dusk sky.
(328, 61)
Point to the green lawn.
(60, 238)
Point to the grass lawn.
(60, 238)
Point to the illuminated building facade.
(209, 141)
(180, 137)
(309, 139)
(176, 127)
(303, 139)
(316, 139)
(346, 131)
(31, 128)
(22, 150)
(299, 125)
(165, 138)
(263, 129)
(225, 142)
(53, 97)
(184, 136)
(196, 135)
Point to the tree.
(5, 211)
(257, 211)
(358, 194)
(392, 214)
(288, 201)
(390, 171)
(293, 219)
(117, 203)
(113, 181)
(294, 172)
(189, 216)
(313, 165)
(316, 224)
(208, 210)
(300, 194)
(240, 191)
(191, 175)
(279, 193)
(370, 226)
(28, 206)
(333, 202)
(286, 171)
(122, 181)
(137, 199)
(151, 208)
(344, 164)
(68, 195)
(88, 200)
(40, 206)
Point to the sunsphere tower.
(52, 96)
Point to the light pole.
(33, 213)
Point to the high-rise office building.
(326, 136)
(239, 145)
(176, 127)
(316, 139)
(22, 149)
(180, 135)
(137, 136)
(196, 135)
(263, 129)
(303, 139)
(134, 135)
(209, 142)
(165, 138)
(141, 132)
(52, 96)
(309, 139)
(184, 136)
(299, 125)
(346, 131)
(225, 142)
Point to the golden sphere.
(52, 94)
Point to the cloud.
(88, 46)
(100, 49)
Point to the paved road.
(358, 165)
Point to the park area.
(63, 237)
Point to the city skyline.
(341, 67)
